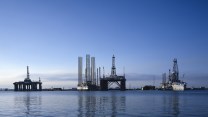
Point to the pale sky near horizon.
(144, 35)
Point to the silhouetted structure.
(27, 84)
(105, 82)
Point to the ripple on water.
(105, 104)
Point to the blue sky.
(145, 36)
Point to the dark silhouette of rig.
(105, 82)
(27, 84)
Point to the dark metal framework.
(27, 84)
(106, 82)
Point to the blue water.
(104, 104)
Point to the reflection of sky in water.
(105, 104)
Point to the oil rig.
(27, 84)
(91, 81)
(105, 82)
(173, 82)
(96, 82)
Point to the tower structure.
(93, 72)
(27, 79)
(113, 69)
(99, 73)
(175, 74)
(79, 71)
(88, 79)
(28, 74)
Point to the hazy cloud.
(57, 77)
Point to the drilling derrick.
(173, 81)
(175, 74)
(28, 74)
(106, 82)
(113, 69)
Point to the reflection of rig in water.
(93, 105)
(92, 81)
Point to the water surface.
(103, 104)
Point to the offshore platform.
(105, 82)
(173, 82)
(96, 82)
(91, 81)
(28, 84)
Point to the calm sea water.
(104, 104)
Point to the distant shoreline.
(188, 89)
